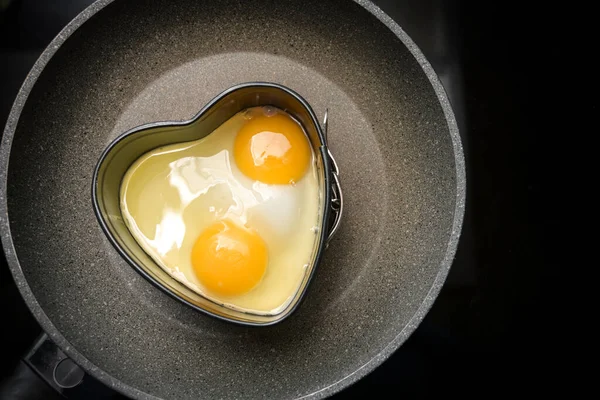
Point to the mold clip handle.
(337, 198)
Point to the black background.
(493, 327)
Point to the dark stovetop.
(490, 323)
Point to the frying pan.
(121, 64)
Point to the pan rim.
(130, 391)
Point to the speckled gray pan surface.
(124, 63)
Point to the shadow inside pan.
(136, 62)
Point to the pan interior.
(137, 62)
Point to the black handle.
(45, 372)
(25, 384)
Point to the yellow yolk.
(229, 259)
(272, 149)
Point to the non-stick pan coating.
(135, 62)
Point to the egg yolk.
(272, 149)
(229, 259)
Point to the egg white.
(171, 194)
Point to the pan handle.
(46, 372)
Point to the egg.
(233, 216)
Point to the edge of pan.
(112, 382)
